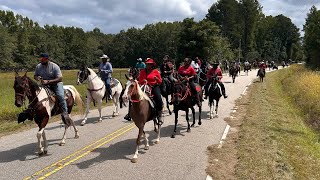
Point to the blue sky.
(111, 16)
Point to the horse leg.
(76, 131)
(187, 118)
(115, 100)
(175, 123)
(211, 110)
(99, 109)
(39, 145)
(146, 141)
(168, 104)
(64, 137)
(45, 142)
(158, 135)
(87, 110)
(193, 116)
(217, 105)
(199, 122)
(135, 156)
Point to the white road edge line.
(226, 130)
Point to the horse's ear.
(126, 76)
(25, 74)
(16, 73)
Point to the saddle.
(53, 98)
(114, 82)
(148, 90)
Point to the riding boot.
(159, 117)
(223, 91)
(67, 120)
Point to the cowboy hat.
(150, 61)
(104, 57)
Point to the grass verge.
(269, 137)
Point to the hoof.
(41, 153)
(199, 123)
(216, 116)
(210, 117)
(134, 160)
(45, 152)
(170, 112)
(192, 125)
(76, 137)
(188, 130)
(82, 124)
(99, 121)
(157, 142)
(173, 136)
(61, 144)
(146, 148)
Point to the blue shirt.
(140, 65)
(106, 70)
(48, 72)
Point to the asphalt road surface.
(104, 149)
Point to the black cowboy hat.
(215, 64)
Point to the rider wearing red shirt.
(215, 70)
(188, 73)
(262, 66)
(151, 76)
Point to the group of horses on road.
(42, 104)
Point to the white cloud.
(111, 16)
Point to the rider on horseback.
(166, 69)
(50, 75)
(140, 65)
(105, 70)
(215, 70)
(188, 73)
(263, 67)
(151, 77)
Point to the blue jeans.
(107, 80)
(59, 91)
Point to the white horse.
(96, 90)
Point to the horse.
(141, 112)
(255, 64)
(215, 93)
(261, 74)
(225, 66)
(42, 106)
(183, 100)
(96, 91)
(205, 66)
(166, 90)
(233, 71)
(246, 68)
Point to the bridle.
(183, 97)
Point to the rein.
(188, 92)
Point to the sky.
(111, 16)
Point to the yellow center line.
(121, 130)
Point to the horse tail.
(78, 99)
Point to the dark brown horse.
(141, 111)
(261, 74)
(233, 71)
(215, 94)
(42, 105)
(183, 100)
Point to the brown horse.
(141, 111)
(183, 100)
(42, 105)
(261, 74)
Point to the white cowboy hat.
(104, 57)
(139, 59)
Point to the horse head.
(21, 88)
(134, 72)
(133, 91)
(180, 91)
(83, 74)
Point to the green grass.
(9, 112)
(275, 142)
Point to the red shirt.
(263, 66)
(186, 71)
(150, 77)
(214, 71)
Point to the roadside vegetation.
(9, 112)
(274, 133)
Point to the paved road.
(104, 149)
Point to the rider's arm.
(209, 74)
(158, 77)
(219, 74)
(142, 77)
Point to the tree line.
(231, 30)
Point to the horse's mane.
(92, 72)
(34, 84)
(141, 94)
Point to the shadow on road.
(24, 152)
